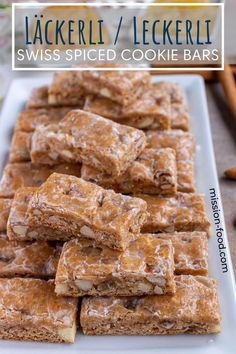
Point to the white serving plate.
(225, 342)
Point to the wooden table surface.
(223, 129)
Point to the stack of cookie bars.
(101, 226)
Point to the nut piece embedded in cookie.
(68, 204)
(194, 308)
(93, 140)
(145, 267)
(30, 310)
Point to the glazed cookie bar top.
(28, 259)
(30, 310)
(5, 206)
(194, 308)
(17, 175)
(145, 267)
(70, 204)
(190, 251)
(120, 86)
(153, 172)
(66, 89)
(96, 141)
(150, 111)
(184, 212)
(21, 229)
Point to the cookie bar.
(38, 98)
(21, 229)
(153, 172)
(20, 147)
(66, 89)
(30, 310)
(185, 176)
(184, 212)
(151, 111)
(80, 137)
(29, 119)
(70, 204)
(40, 152)
(190, 251)
(145, 267)
(194, 308)
(173, 89)
(5, 206)
(179, 109)
(28, 259)
(17, 175)
(182, 142)
(120, 86)
(180, 117)
(184, 146)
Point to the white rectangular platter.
(225, 342)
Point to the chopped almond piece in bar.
(84, 137)
(183, 212)
(190, 251)
(5, 206)
(145, 267)
(28, 259)
(150, 111)
(21, 229)
(70, 204)
(194, 308)
(66, 89)
(17, 175)
(153, 172)
(30, 310)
